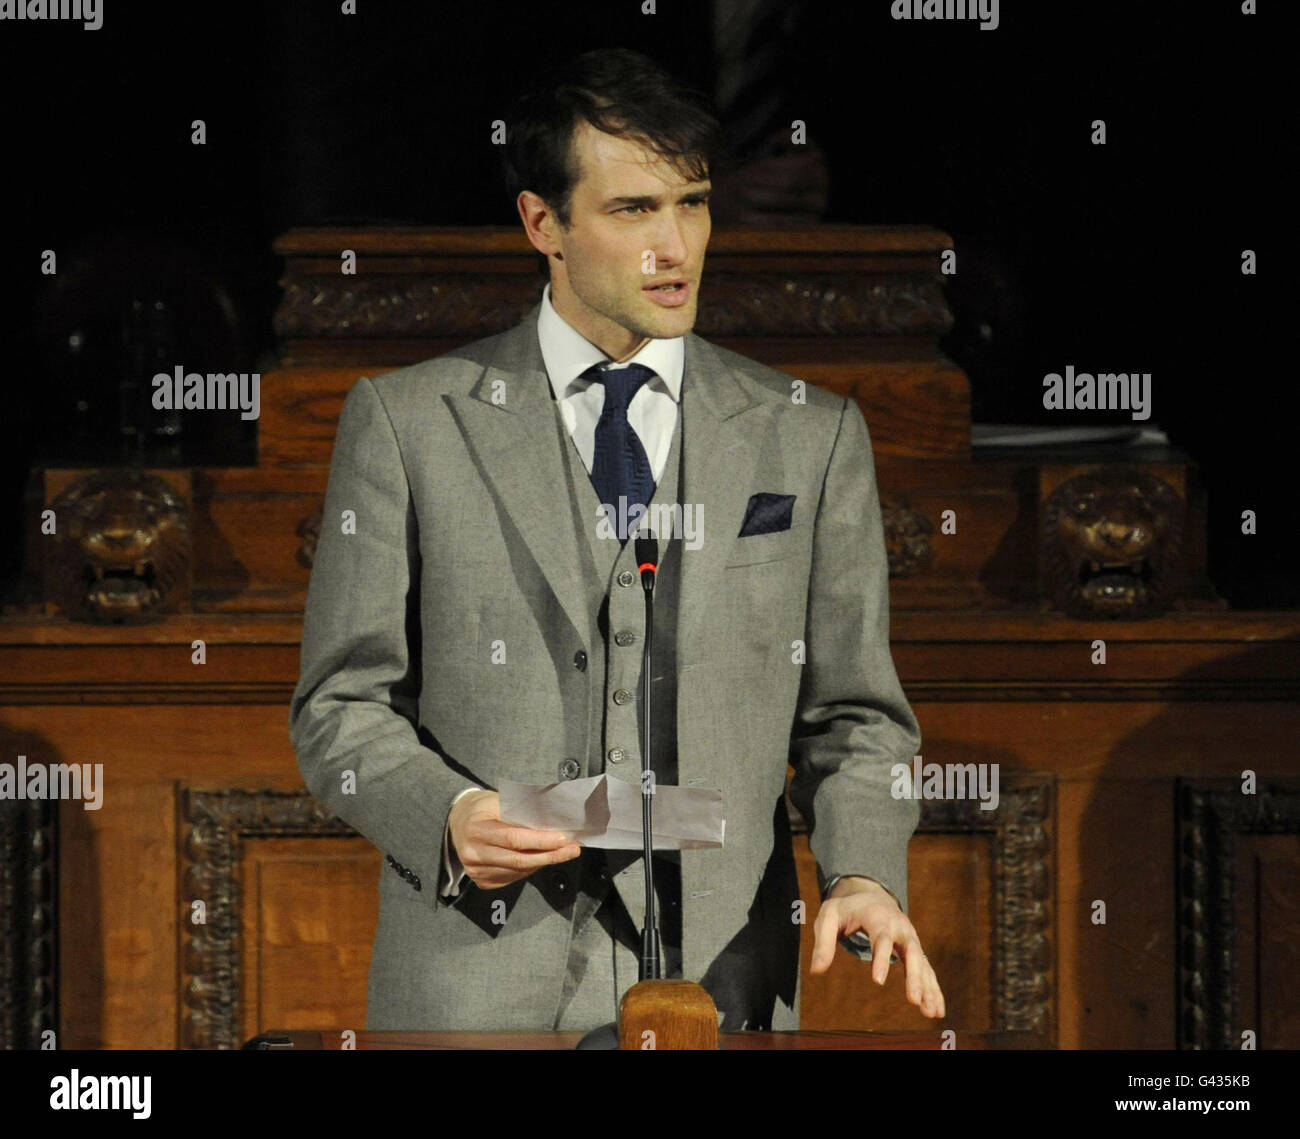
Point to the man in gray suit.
(474, 615)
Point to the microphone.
(647, 557)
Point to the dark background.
(1117, 258)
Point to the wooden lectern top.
(729, 1041)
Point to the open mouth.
(669, 294)
(1119, 580)
(122, 587)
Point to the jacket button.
(580, 661)
(570, 769)
(616, 755)
(624, 638)
(622, 696)
(560, 881)
(626, 578)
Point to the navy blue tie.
(619, 465)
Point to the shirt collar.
(567, 353)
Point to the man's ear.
(535, 216)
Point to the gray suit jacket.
(446, 503)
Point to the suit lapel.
(510, 425)
(720, 452)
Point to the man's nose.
(670, 242)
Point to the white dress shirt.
(652, 414)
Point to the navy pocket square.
(767, 514)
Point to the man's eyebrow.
(655, 199)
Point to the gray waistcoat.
(602, 958)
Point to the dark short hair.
(620, 92)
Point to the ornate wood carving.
(1024, 967)
(732, 304)
(907, 537)
(121, 550)
(1112, 544)
(309, 532)
(808, 305)
(219, 822)
(29, 909)
(1211, 813)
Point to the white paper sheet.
(606, 813)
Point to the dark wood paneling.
(1238, 852)
(1114, 758)
(249, 538)
(29, 947)
(307, 924)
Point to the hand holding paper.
(606, 813)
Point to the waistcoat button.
(570, 769)
(622, 696)
(616, 755)
(626, 578)
(624, 638)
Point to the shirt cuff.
(454, 877)
(830, 885)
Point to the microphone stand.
(605, 1036)
(655, 1012)
(647, 556)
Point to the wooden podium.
(727, 1041)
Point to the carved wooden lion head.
(121, 547)
(1112, 543)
